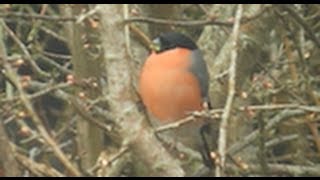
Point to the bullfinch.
(173, 83)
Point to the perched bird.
(174, 82)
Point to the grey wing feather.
(199, 69)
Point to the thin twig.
(80, 109)
(192, 117)
(122, 151)
(282, 169)
(277, 81)
(53, 34)
(55, 55)
(222, 141)
(270, 124)
(35, 16)
(214, 114)
(51, 62)
(142, 37)
(281, 106)
(47, 89)
(37, 168)
(178, 23)
(84, 16)
(37, 121)
(281, 139)
(204, 9)
(175, 124)
(191, 23)
(302, 22)
(103, 162)
(24, 49)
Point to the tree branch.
(37, 121)
(37, 168)
(285, 114)
(24, 49)
(135, 132)
(302, 22)
(222, 141)
(35, 16)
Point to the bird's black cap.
(171, 40)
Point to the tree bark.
(86, 60)
(134, 129)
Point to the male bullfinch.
(174, 78)
(174, 82)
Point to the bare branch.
(215, 113)
(37, 168)
(281, 169)
(302, 22)
(178, 23)
(136, 133)
(24, 49)
(35, 16)
(47, 89)
(82, 112)
(192, 23)
(271, 124)
(222, 141)
(281, 106)
(109, 166)
(37, 121)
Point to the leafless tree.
(70, 107)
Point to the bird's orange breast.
(167, 87)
